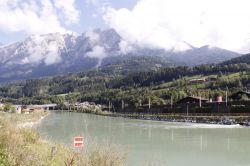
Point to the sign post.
(78, 142)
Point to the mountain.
(203, 55)
(52, 54)
(241, 59)
(131, 64)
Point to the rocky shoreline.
(213, 120)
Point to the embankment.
(23, 146)
(204, 119)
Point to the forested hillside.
(103, 86)
(241, 59)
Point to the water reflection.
(201, 142)
(172, 136)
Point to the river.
(157, 143)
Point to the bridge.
(44, 106)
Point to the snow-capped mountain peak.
(56, 53)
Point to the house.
(191, 99)
(198, 80)
(219, 99)
(84, 104)
(240, 95)
(212, 79)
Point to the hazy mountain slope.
(241, 59)
(203, 55)
(128, 64)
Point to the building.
(198, 80)
(212, 78)
(240, 95)
(191, 99)
(84, 104)
(219, 99)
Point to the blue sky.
(165, 24)
(90, 16)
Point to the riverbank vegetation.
(23, 146)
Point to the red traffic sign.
(78, 142)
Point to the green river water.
(153, 142)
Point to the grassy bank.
(23, 146)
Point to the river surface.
(153, 142)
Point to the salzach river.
(152, 142)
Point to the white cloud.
(97, 52)
(125, 47)
(53, 55)
(36, 17)
(68, 8)
(165, 23)
(43, 49)
(39, 17)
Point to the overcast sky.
(147, 23)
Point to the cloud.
(68, 8)
(98, 2)
(97, 52)
(37, 17)
(53, 55)
(125, 47)
(43, 49)
(167, 23)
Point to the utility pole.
(226, 98)
(171, 102)
(187, 108)
(109, 105)
(149, 103)
(200, 101)
(122, 104)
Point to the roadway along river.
(157, 143)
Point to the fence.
(236, 108)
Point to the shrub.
(21, 146)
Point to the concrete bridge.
(44, 106)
